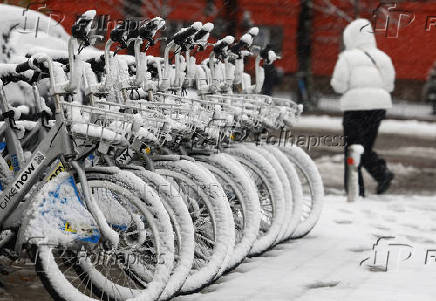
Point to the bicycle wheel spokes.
(204, 233)
(266, 203)
(137, 252)
(235, 205)
(123, 272)
(307, 194)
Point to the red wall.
(279, 12)
(413, 51)
(72, 8)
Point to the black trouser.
(361, 127)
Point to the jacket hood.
(359, 34)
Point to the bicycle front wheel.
(138, 268)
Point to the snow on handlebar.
(220, 45)
(148, 30)
(180, 37)
(9, 73)
(82, 28)
(245, 41)
(202, 36)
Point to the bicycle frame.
(57, 144)
(12, 142)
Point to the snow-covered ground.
(326, 264)
(400, 108)
(422, 129)
(409, 179)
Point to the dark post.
(356, 9)
(231, 16)
(304, 51)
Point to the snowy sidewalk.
(422, 129)
(326, 264)
(399, 110)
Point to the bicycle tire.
(272, 202)
(232, 175)
(287, 193)
(314, 194)
(296, 189)
(183, 226)
(215, 203)
(61, 289)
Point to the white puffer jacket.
(364, 79)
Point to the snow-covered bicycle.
(149, 183)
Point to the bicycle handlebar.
(21, 72)
(97, 63)
(268, 55)
(149, 29)
(82, 27)
(245, 41)
(119, 34)
(180, 37)
(23, 67)
(205, 29)
(57, 84)
(223, 43)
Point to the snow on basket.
(92, 123)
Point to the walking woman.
(365, 76)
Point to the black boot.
(384, 184)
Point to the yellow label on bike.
(69, 228)
(232, 136)
(57, 170)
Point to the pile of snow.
(19, 33)
(21, 29)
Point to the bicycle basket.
(96, 124)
